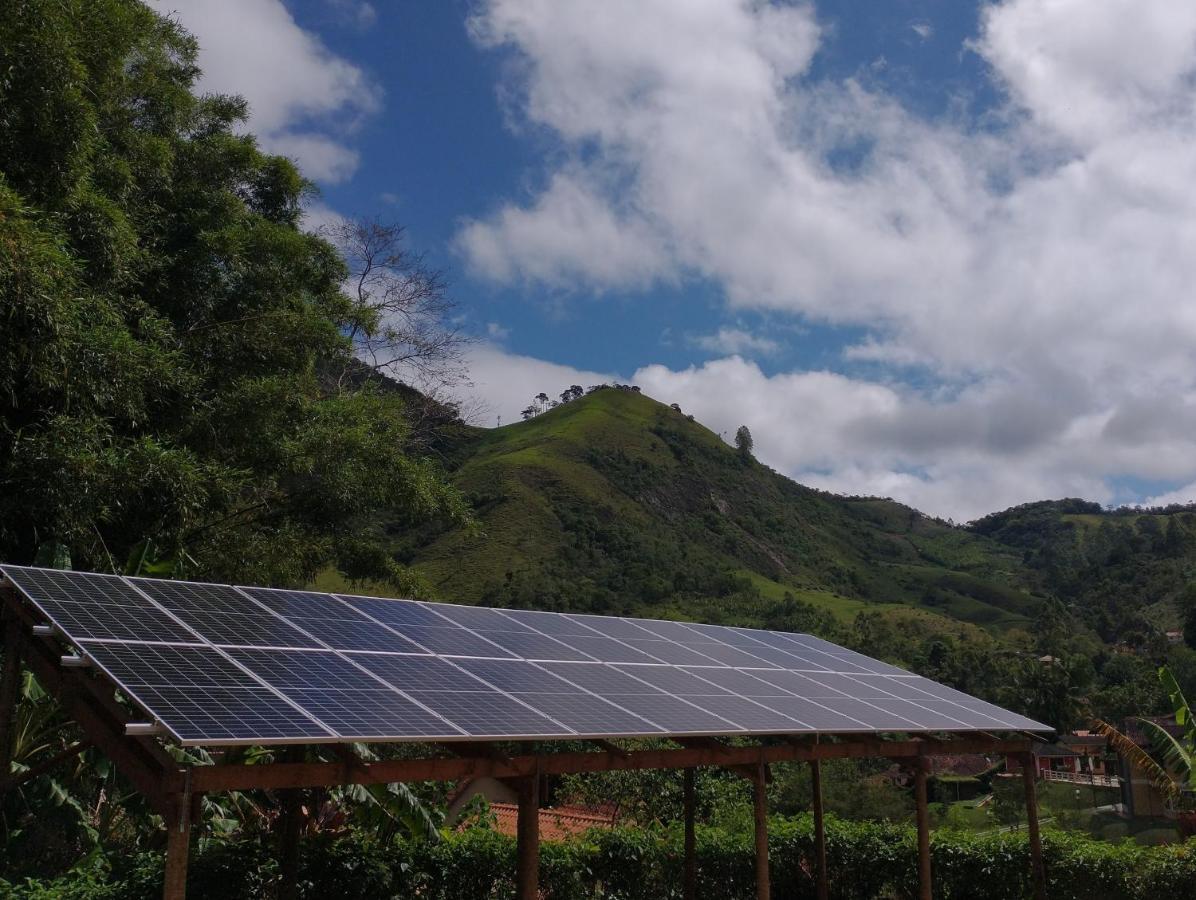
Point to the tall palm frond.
(1170, 768)
(1139, 759)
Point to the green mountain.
(616, 503)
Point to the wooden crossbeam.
(708, 743)
(207, 779)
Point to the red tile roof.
(557, 823)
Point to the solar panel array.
(216, 664)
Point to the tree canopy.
(167, 327)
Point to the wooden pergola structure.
(174, 790)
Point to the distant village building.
(1077, 758)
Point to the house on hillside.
(1077, 758)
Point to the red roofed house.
(557, 823)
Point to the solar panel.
(223, 615)
(218, 664)
(345, 697)
(85, 606)
(338, 624)
(200, 696)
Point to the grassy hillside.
(616, 503)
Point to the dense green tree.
(743, 441)
(167, 328)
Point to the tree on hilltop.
(744, 442)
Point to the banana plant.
(386, 809)
(1169, 763)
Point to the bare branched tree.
(402, 319)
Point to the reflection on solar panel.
(216, 664)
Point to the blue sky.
(930, 249)
(442, 150)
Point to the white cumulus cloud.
(1034, 268)
(304, 101)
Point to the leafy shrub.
(867, 861)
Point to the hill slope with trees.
(616, 503)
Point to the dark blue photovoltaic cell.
(101, 607)
(303, 666)
(600, 679)
(922, 716)
(801, 684)
(333, 621)
(590, 715)
(608, 649)
(871, 714)
(873, 666)
(366, 715)
(747, 714)
(218, 715)
(451, 641)
(611, 626)
(139, 665)
(674, 715)
(516, 675)
(672, 653)
(285, 669)
(223, 615)
(199, 695)
(533, 646)
(815, 715)
(395, 612)
(350, 701)
(553, 624)
(479, 618)
(728, 655)
(671, 680)
(419, 673)
(740, 682)
(673, 631)
(487, 714)
(304, 604)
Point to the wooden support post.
(10, 688)
(178, 848)
(1037, 870)
(290, 820)
(691, 843)
(923, 817)
(820, 874)
(287, 827)
(760, 797)
(527, 864)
